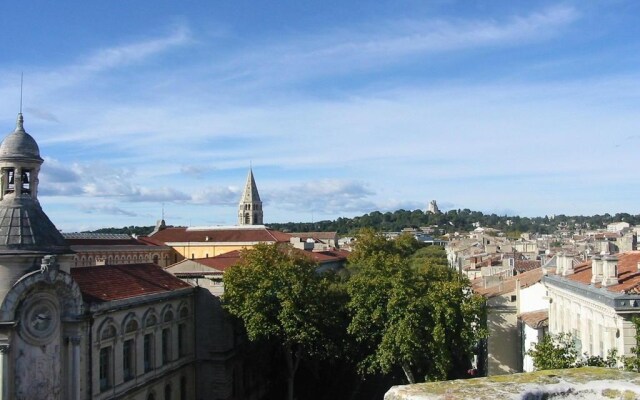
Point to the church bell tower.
(250, 207)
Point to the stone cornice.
(620, 302)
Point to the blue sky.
(342, 108)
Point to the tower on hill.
(250, 207)
(433, 207)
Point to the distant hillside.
(457, 220)
(450, 221)
(130, 230)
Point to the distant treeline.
(450, 221)
(457, 220)
(129, 230)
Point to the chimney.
(596, 269)
(568, 265)
(609, 270)
(560, 263)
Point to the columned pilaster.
(5, 384)
(74, 376)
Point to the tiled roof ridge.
(126, 281)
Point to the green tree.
(632, 362)
(559, 352)
(429, 254)
(423, 320)
(555, 352)
(280, 298)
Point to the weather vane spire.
(20, 121)
(21, 84)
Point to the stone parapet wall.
(577, 383)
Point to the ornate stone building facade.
(101, 332)
(116, 249)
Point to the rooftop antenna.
(163, 210)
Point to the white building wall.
(533, 298)
(598, 328)
(531, 337)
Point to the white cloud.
(128, 53)
(387, 43)
(217, 196)
(323, 196)
(107, 209)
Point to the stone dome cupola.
(24, 227)
(20, 163)
(19, 145)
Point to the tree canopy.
(280, 298)
(420, 316)
(457, 220)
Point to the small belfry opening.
(14, 184)
(8, 179)
(26, 181)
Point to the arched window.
(108, 333)
(151, 321)
(168, 316)
(155, 259)
(151, 397)
(183, 388)
(131, 326)
(167, 392)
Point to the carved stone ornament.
(40, 319)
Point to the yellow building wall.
(208, 250)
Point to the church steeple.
(250, 207)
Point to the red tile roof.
(115, 282)
(223, 261)
(508, 285)
(150, 241)
(315, 235)
(526, 265)
(628, 274)
(536, 319)
(232, 235)
(330, 255)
